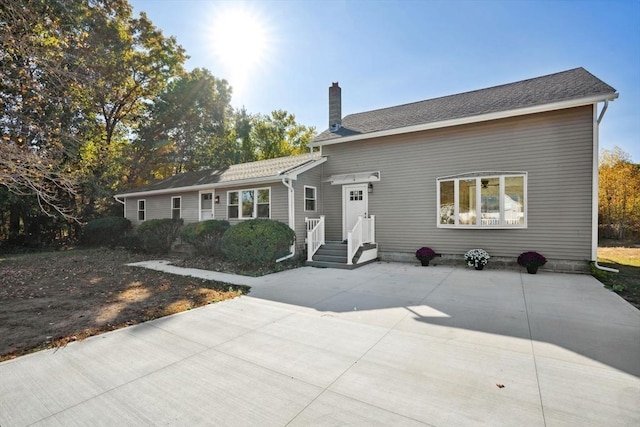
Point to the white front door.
(355, 203)
(206, 206)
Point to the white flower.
(475, 257)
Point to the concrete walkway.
(387, 344)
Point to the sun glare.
(240, 41)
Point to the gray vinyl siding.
(278, 207)
(313, 178)
(159, 207)
(554, 148)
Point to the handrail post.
(373, 229)
(349, 244)
(310, 245)
(322, 242)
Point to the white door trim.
(345, 191)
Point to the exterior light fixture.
(370, 187)
(217, 200)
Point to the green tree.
(184, 126)
(279, 135)
(619, 195)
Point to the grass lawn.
(50, 299)
(627, 282)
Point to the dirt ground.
(626, 259)
(50, 299)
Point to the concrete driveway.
(387, 344)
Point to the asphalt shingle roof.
(240, 172)
(564, 86)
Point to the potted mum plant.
(531, 260)
(425, 254)
(477, 258)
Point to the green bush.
(188, 233)
(257, 242)
(157, 235)
(108, 231)
(205, 236)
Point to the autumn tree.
(127, 61)
(40, 124)
(619, 195)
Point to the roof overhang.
(472, 119)
(354, 178)
(290, 173)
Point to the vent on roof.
(334, 127)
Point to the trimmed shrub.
(157, 235)
(205, 236)
(188, 233)
(257, 242)
(108, 231)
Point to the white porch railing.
(315, 235)
(364, 231)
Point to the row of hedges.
(252, 242)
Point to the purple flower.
(531, 259)
(425, 253)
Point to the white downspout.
(292, 216)
(596, 183)
(124, 205)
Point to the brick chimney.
(335, 107)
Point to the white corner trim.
(472, 119)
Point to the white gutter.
(472, 119)
(595, 188)
(292, 173)
(292, 216)
(202, 186)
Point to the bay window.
(482, 200)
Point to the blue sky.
(387, 53)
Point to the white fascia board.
(191, 188)
(293, 174)
(472, 119)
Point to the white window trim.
(315, 198)
(213, 207)
(229, 203)
(478, 176)
(143, 210)
(172, 208)
(255, 203)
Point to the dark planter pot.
(424, 262)
(479, 266)
(532, 269)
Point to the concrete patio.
(386, 344)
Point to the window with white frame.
(483, 200)
(309, 198)
(142, 210)
(176, 209)
(249, 203)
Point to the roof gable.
(568, 85)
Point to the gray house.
(508, 169)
